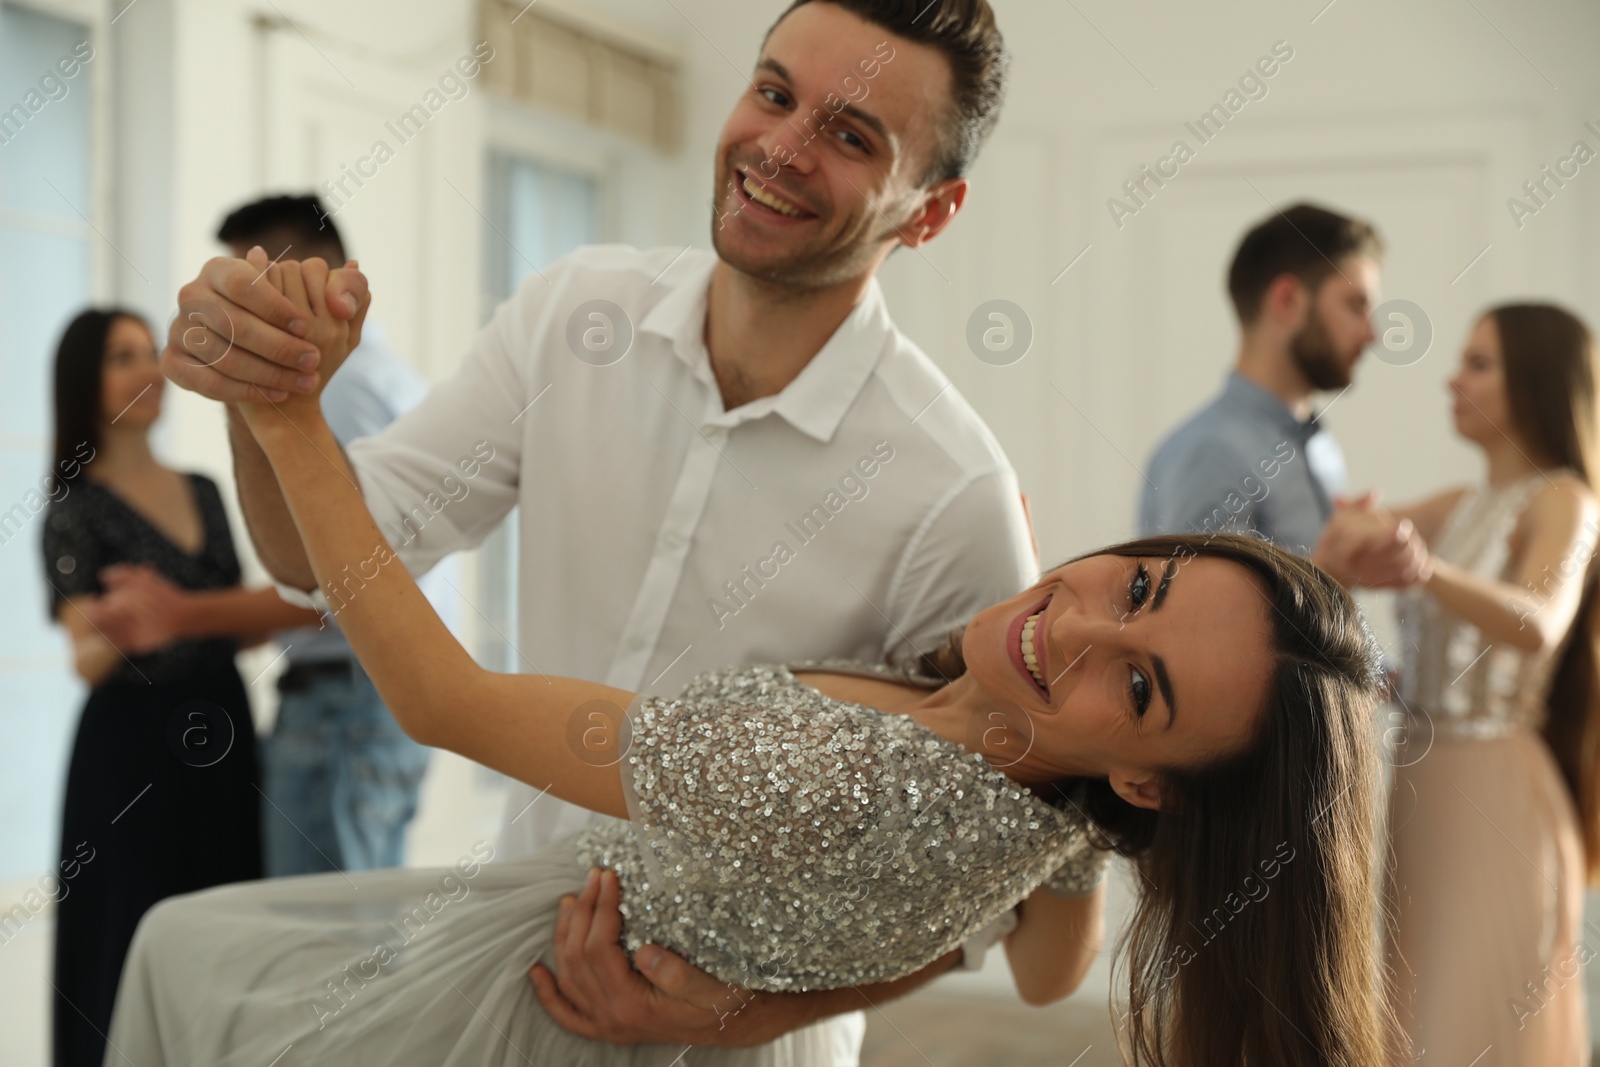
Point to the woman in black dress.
(161, 793)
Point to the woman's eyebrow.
(1168, 571)
(1164, 683)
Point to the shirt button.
(716, 434)
(672, 542)
(636, 643)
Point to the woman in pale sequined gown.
(1202, 705)
(1492, 806)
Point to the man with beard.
(1303, 284)
(682, 485)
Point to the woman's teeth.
(1028, 657)
(766, 199)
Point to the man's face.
(838, 125)
(1338, 324)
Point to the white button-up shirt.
(863, 511)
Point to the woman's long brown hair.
(1548, 361)
(1254, 939)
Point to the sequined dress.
(1486, 889)
(779, 839)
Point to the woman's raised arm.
(517, 724)
(1554, 544)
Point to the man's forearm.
(853, 998)
(266, 513)
(774, 1014)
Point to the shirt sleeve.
(357, 406)
(972, 550)
(73, 554)
(1199, 489)
(445, 473)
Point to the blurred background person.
(341, 776)
(161, 793)
(1303, 283)
(1493, 819)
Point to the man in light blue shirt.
(340, 776)
(1256, 459)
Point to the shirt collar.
(1246, 393)
(816, 401)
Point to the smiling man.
(682, 493)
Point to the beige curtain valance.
(552, 61)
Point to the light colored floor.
(935, 1028)
(25, 995)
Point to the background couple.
(1494, 825)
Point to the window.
(538, 213)
(47, 251)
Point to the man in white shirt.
(719, 458)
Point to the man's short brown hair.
(1304, 240)
(964, 31)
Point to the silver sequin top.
(784, 840)
(1463, 686)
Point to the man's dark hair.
(1304, 240)
(964, 31)
(301, 220)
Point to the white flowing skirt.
(380, 967)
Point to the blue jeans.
(341, 779)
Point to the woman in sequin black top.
(1201, 705)
(160, 791)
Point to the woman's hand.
(305, 285)
(1364, 545)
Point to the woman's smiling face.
(1138, 664)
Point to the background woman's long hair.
(80, 358)
(1254, 939)
(1548, 362)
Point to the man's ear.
(1287, 301)
(939, 205)
(1142, 790)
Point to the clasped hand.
(141, 610)
(248, 330)
(305, 286)
(1366, 545)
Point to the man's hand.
(1364, 545)
(1394, 559)
(141, 610)
(595, 993)
(234, 331)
